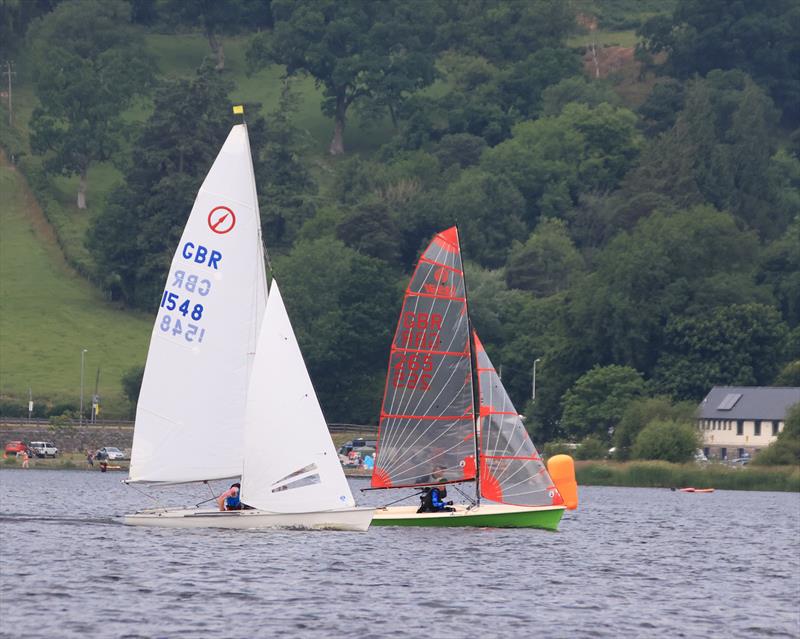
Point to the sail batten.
(427, 415)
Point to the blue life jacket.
(233, 503)
(436, 499)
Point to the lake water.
(629, 563)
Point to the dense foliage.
(636, 248)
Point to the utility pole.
(533, 387)
(9, 72)
(80, 417)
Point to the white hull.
(357, 519)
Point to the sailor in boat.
(432, 498)
(229, 500)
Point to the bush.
(671, 441)
(592, 447)
(558, 448)
(785, 450)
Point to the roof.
(748, 402)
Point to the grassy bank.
(665, 475)
(66, 461)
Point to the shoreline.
(635, 474)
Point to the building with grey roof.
(737, 421)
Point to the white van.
(43, 449)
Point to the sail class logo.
(221, 220)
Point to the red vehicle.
(12, 448)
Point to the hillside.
(48, 314)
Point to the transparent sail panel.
(511, 470)
(426, 431)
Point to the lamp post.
(533, 386)
(80, 416)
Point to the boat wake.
(22, 518)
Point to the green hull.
(547, 519)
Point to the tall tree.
(89, 63)
(378, 49)
(598, 400)
(171, 156)
(759, 38)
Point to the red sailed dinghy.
(446, 418)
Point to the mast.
(476, 402)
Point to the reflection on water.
(631, 562)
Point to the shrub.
(592, 447)
(671, 441)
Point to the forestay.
(290, 463)
(190, 414)
(427, 418)
(512, 471)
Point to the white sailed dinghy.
(225, 392)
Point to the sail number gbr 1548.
(188, 310)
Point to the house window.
(775, 428)
(739, 427)
(757, 428)
(707, 451)
(741, 452)
(723, 453)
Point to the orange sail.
(512, 471)
(426, 433)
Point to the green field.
(48, 314)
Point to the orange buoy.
(562, 471)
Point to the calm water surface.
(629, 563)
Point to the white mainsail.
(290, 463)
(191, 409)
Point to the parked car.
(739, 461)
(110, 453)
(12, 448)
(359, 445)
(44, 449)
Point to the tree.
(577, 88)
(780, 270)
(546, 263)
(503, 31)
(286, 189)
(785, 450)
(551, 160)
(487, 208)
(217, 17)
(759, 38)
(380, 50)
(173, 152)
(667, 440)
(596, 402)
(738, 345)
(343, 307)
(132, 383)
(664, 267)
(89, 63)
(642, 412)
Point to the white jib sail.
(290, 464)
(191, 409)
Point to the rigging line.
(136, 488)
(472, 501)
(419, 492)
